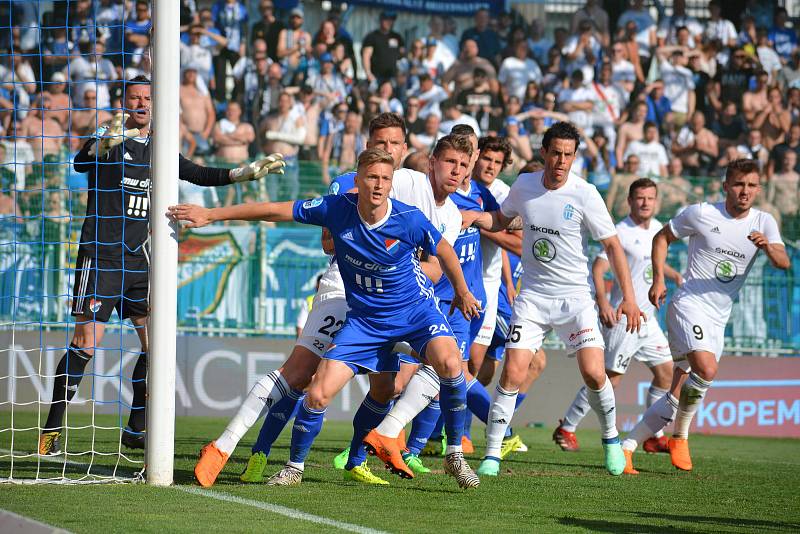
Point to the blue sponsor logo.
(569, 211)
(313, 203)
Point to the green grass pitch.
(738, 485)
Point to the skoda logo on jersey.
(313, 203)
(725, 271)
(569, 211)
(648, 274)
(544, 250)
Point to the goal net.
(65, 398)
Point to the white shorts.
(486, 332)
(649, 345)
(574, 319)
(324, 320)
(692, 328)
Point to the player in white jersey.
(559, 212)
(649, 346)
(724, 239)
(279, 392)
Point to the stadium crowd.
(673, 98)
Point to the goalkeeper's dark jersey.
(118, 207)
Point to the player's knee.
(83, 342)
(706, 371)
(316, 399)
(593, 380)
(537, 365)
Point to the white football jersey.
(556, 227)
(414, 189)
(638, 245)
(492, 253)
(720, 254)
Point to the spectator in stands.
(581, 51)
(783, 38)
(792, 143)
(717, 28)
(137, 30)
(593, 13)
(425, 141)
(284, 131)
(196, 55)
(330, 123)
(60, 102)
(43, 133)
(783, 192)
(430, 96)
(669, 27)
(608, 105)
(294, 45)
(631, 130)
(267, 28)
(212, 39)
(342, 152)
(675, 191)
(487, 40)
(197, 111)
(516, 71)
(617, 197)
(733, 80)
(313, 109)
(431, 62)
(446, 43)
(87, 118)
(774, 120)
(230, 19)
(345, 65)
(381, 49)
(480, 102)
(598, 161)
(232, 136)
(730, 127)
(578, 101)
(328, 85)
(636, 24)
(538, 42)
(753, 149)
(651, 153)
(453, 116)
(462, 71)
(515, 132)
(411, 65)
(92, 70)
(789, 75)
(57, 51)
(697, 146)
(769, 59)
(659, 108)
(754, 100)
(388, 103)
(678, 84)
(414, 123)
(623, 73)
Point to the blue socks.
(307, 426)
(478, 400)
(422, 426)
(275, 421)
(368, 416)
(453, 401)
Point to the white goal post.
(159, 454)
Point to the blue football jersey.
(342, 183)
(468, 243)
(503, 304)
(378, 263)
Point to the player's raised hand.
(758, 239)
(272, 164)
(195, 216)
(114, 135)
(632, 313)
(657, 293)
(467, 304)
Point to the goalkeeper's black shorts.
(103, 285)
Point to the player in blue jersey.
(390, 298)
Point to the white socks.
(603, 403)
(692, 393)
(265, 393)
(499, 418)
(653, 394)
(576, 411)
(421, 390)
(658, 415)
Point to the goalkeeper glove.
(114, 135)
(272, 164)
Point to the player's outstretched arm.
(197, 216)
(661, 242)
(491, 221)
(628, 306)
(214, 176)
(462, 298)
(776, 252)
(510, 240)
(608, 316)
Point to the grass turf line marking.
(278, 509)
(11, 522)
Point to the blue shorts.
(464, 331)
(365, 343)
(497, 347)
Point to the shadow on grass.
(601, 525)
(722, 521)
